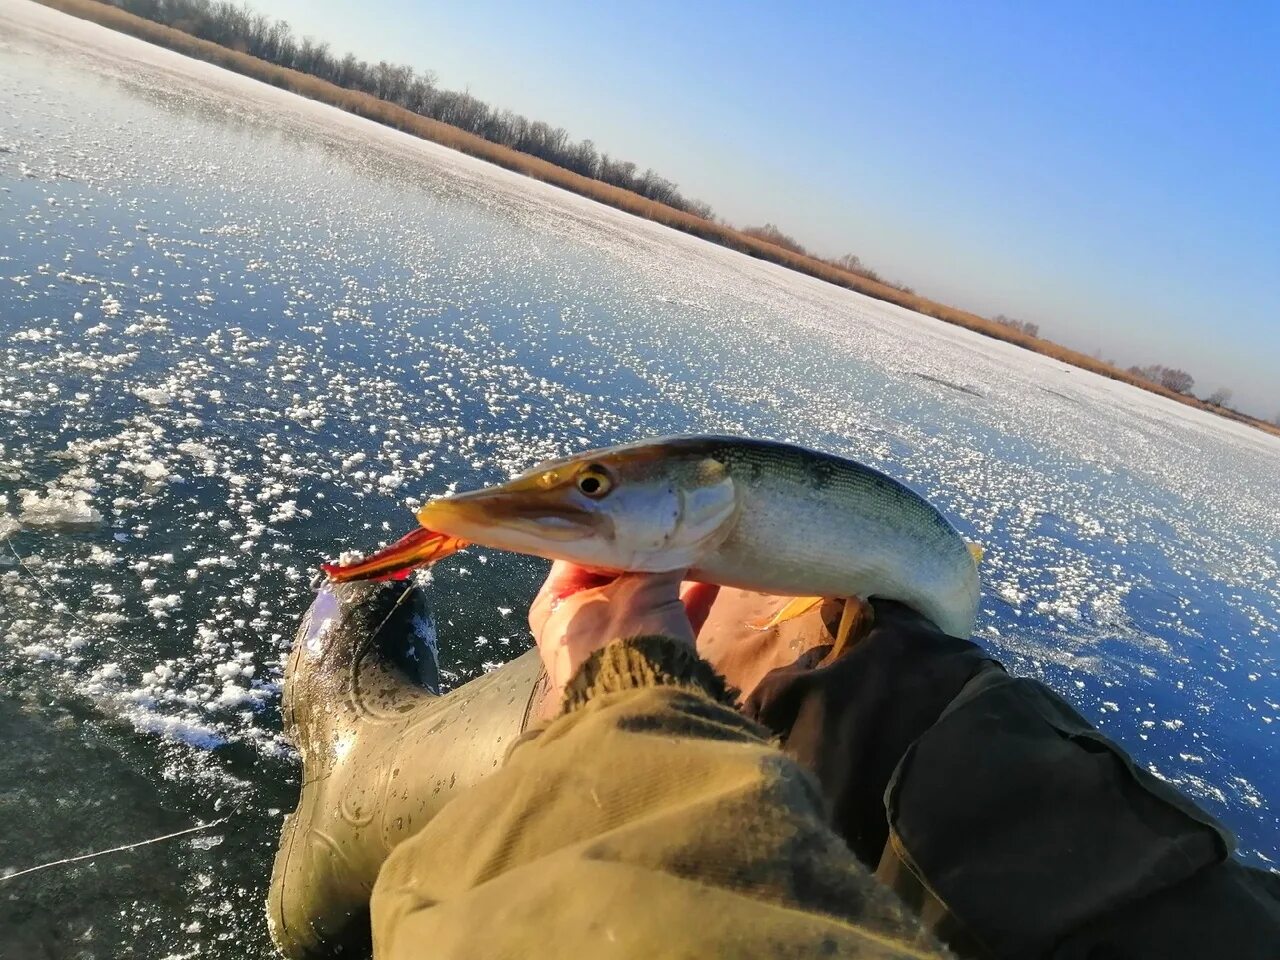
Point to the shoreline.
(396, 117)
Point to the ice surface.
(324, 322)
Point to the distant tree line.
(1171, 378)
(1182, 382)
(238, 27)
(1022, 326)
(850, 262)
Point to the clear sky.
(1111, 171)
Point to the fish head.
(647, 507)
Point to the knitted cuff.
(637, 662)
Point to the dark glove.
(850, 720)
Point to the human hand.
(577, 612)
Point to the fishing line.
(39, 586)
(121, 849)
(366, 646)
(125, 847)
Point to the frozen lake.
(240, 332)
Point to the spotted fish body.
(811, 523)
(753, 514)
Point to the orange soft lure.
(421, 548)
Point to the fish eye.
(594, 481)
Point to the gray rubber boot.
(381, 754)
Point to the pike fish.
(754, 514)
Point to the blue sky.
(1111, 171)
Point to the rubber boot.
(381, 751)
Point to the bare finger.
(698, 599)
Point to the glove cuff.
(646, 661)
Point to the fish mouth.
(509, 520)
(518, 517)
(421, 548)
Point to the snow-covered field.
(240, 332)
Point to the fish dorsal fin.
(976, 551)
(795, 607)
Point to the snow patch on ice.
(57, 509)
(156, 396)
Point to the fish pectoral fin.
(856, 620)
(795, 607)
(976, 551)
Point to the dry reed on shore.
(380, 111)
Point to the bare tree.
(1023, 326)
(699, 209)
(583, 159)
(1219, 398)
(1170, 378)
(1179, 381)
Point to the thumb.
(698, 599)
